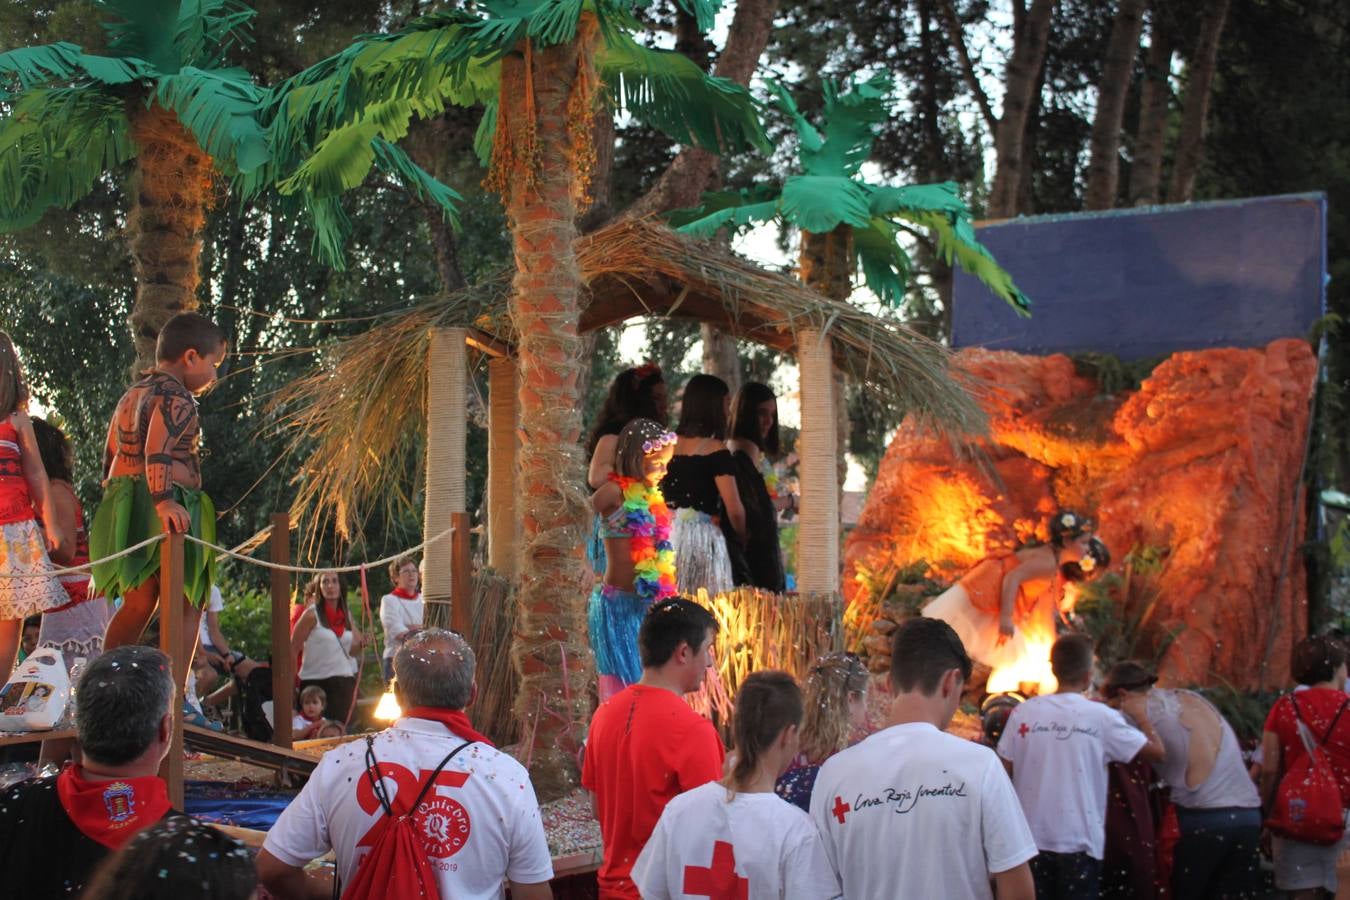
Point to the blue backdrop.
(1150, 281)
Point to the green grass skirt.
(127, 516)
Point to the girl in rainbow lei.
(639, 561)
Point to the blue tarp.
(228, 804)
(1147, 282)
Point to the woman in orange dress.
(1011, 600)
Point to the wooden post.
(818, 528)
(503, 525)
(171, 642)
(460, 612)
(447, 387)
(283, 679)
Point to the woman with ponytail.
(737, 835)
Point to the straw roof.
(360, 415)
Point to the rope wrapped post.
(818, 528)
(447, 386)
(171, 642)
(283, 684)
(503, 523)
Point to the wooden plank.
(268, 756)
(171, 642)
(283, 678)
(461, 567)
(11, 738)
(490, 344)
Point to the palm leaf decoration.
(326, 123)
(828, 194)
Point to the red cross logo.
(841, 809)
(1022, 729)
(718, 881)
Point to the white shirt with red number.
(913, 813)
(753, 847)
(480, 824)
(1059, 746)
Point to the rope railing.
(84, 568)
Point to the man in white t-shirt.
(1057, 748)
(913, 812)
(480, 827)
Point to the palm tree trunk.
(1023, 70)
(170, 194)
(1103, 175)
(1195, 110)
(1146, 172)
(547, 97)
(825, 265)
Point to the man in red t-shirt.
(645, 744)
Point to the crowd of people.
(805, 804)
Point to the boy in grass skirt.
(152, 482)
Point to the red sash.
(454, 719)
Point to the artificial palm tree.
(163, 97)
(541, 68)
(847, 223)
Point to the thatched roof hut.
(631, 268)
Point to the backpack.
(1307, 805)
(397, 863)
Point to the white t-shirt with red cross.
(914, 813)
(751, 847)
(1059, 746)
(481, 823)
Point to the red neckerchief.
(318, 718)
(454, 719)
(337, 619)
(406, 595)
(111, 812)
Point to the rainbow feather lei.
(647, 523)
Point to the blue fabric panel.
(1147, 282)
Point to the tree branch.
(693, 169)
(957, 35)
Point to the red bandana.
(337, 619)
(406, 595)
(111, 812)
(454, 719)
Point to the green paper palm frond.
(53, 146)
(508, 22)
(54, 65)
(827, 194)
(668, 91)
(219, 108)
(940, 209)
(821, 203)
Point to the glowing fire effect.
(1033, 667)
(387, 709)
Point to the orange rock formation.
(1204, 461)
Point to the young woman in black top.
(700, 489)
(754, 438)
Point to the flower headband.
(666, 439)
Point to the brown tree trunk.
(692, 170)
(170, 195)
(1195, 108)
(1023, 70)
(547, 97)
(825, 266)
(720, 356)
(1154, 101)
(1103, 175)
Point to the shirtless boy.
(152, 481)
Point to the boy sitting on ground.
(153, 480)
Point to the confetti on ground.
(570, 826)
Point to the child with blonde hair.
(836, 706)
